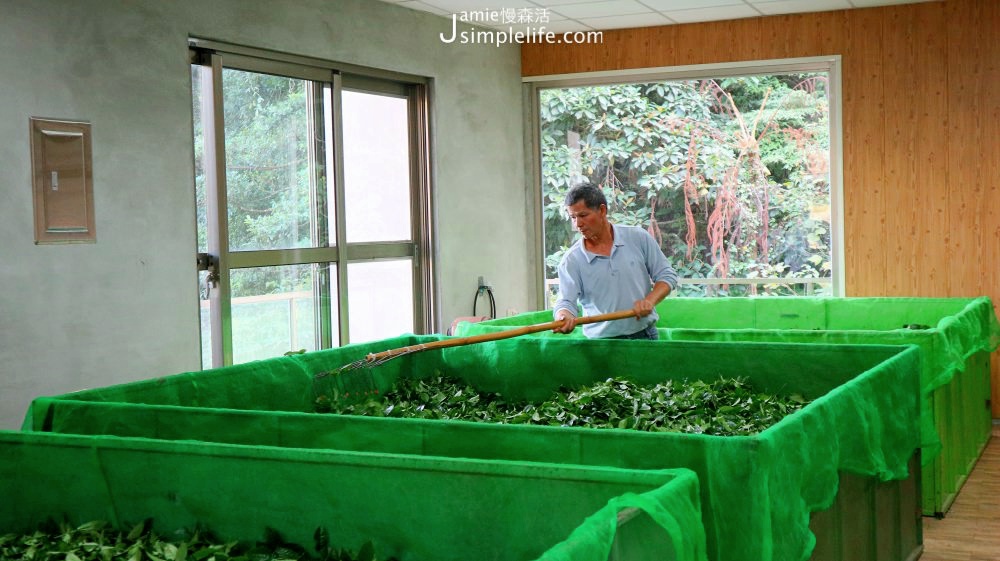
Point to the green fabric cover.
(756, 492)
(416, 508)
(957, 327)
(957, 330)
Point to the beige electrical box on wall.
(63, 182)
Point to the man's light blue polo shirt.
(603, 284)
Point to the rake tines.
(355, 380)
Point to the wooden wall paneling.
(640, 44)
(810, 34)
(555, 60)
(989, 166)
(586, 57)
(657, 44)
(835, 33)
(690, 47)
(701, 43)
(863, 159)
(901, 197)
(619, 52)
(752, 41)
(625, 50)
(739, 39)
(711, 43)
(965, 189)
(930, 152)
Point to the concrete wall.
(125, 308)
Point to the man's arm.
(657, 264)
(645, 306)
(566, 304)
(664, 276)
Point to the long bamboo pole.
(378, 358)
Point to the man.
(610, 268)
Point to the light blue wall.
(125, 308)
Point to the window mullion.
(319, 180)
(339, 206)
(213, 121)
(423, 300)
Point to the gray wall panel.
(125, 308)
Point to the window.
(311, 186)
(734, 170)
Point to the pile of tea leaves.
(98, 541)
(725, 407)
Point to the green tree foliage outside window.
(730, 175)
(270, 202)
(267, 175)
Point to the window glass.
(273, 311)
(380, 299)
(267, 161)
(376, 167)
(731, 175)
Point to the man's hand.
(568, 322)
(642, 308)
(645, 306)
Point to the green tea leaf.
(322, 540)
(725, 406)
(367, 552)
(137, 531)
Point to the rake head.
(352, 382)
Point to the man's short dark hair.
(589, 193)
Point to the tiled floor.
(971, 529)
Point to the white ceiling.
(581, 15)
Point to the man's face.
(588, 221)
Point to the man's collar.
(616, 241)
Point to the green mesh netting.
(414, 508)
(955, 336)
(757, 492)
